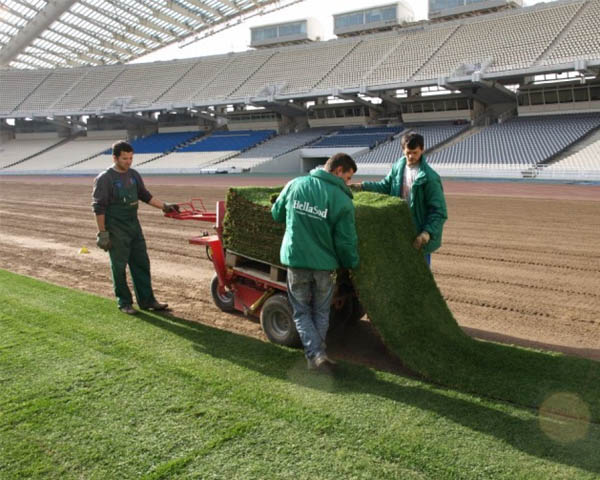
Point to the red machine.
(258, 288)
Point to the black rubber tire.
(277, 322)
(223, 301)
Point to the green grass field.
(87, 392)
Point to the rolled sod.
(403, 302)
(248, 227)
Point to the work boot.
(128, 309)
(329, 360)
(322, 364)
(155, 306)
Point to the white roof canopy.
(63, 33)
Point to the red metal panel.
(261, 282)
(245, 296)
(218, 256)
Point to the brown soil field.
(520, 263)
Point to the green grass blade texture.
(248, 227)
(402, 300)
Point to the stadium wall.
(113, 135)
(36, 136)
(287, 163)
(437, 116)
(557, 108)
(184, 128)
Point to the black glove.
(170, 207)
(103, 241)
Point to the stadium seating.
(217, 147)
(414, 50)
(186, 162)
(581, 39)
(578, 165)
(296, 69)
(240, 67)
(390, 151)
(357, 137)
(17, 85)
(92, 83)
(437, 133)
(271, 149)
(93, 166)
(62, 156)
(23, 147)
(508, 41)
(145, 148)
(128, 85)
(43, 98)
(518, 143)
(359, 62)
(163, 142)
(543, 34)
(195, 80)
(284, 143)
(237, 140)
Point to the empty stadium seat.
(518, 143)
(357, 137)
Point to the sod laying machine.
(398, 293)
(248, 275)
(393, 281)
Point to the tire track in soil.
(506, 308)
(88, 238)
(518, 262)
(520, 249)
(544, 288)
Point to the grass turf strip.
(400, 295)
(90, 393)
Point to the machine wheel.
(209, 253)
(222, 299)
(277, 323)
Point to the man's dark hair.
(413, 140)
(121, 146)
(341, 160)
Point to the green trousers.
(129, 248)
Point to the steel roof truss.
(188, 13)
(205, 7)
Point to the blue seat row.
(227, 141)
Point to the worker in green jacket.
(320, 237)
(115, 203)
(420, 186)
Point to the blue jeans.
(310, 292)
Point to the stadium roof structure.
(64, 33)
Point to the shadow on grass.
(558, 444)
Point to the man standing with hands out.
(320, 237)
(115, 203)
(420, 186)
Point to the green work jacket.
(427, 205)
(318, 212)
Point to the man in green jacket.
(320, 237)
(420, 186)
(115, 203)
